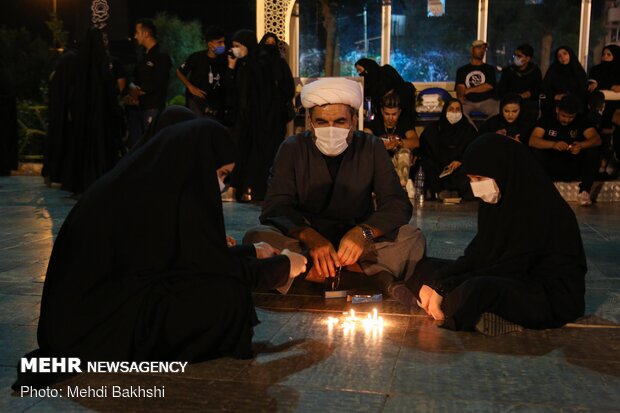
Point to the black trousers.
(566, 167)
(456, 181)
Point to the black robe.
(97, 119)
(140, 269)
(61, 117)
(302, 192)
(569, 79)
(526, 263)
(8, 124)
(171, 115)
(520, 128)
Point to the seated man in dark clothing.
(523, 78)
(398, 135)
(475, 83)
(320, 195)
(568, 147)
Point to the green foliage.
(178, 100)
(32, 126)
(28, 61)
(59, 35)
(179, 39)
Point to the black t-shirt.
(404, 124)
(152, 75)
(475, 75)
(514, 80)
(554, 131)
(207, 74)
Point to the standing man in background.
(148, 90)
(203, 76)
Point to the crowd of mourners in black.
(146, 241)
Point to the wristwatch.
(367, 232)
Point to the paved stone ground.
(302, 365)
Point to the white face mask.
(454, 117)
(487, 190)
(222, 184)
(236, 51)
(330, 140)
(518, 62)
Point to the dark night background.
(231, 15)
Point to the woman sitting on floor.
(442, 145)
(524, 268)
(141, 270)
(509, 121)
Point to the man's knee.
(257, 234)
(272, 236)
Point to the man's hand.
(298, 262)
(526, 95)
(197, 92)
(560, 146)
(264, 250)
(501, 132)
(454, 164)
(323, 255)
(129, 100)
(135, 91)
(391, 143)
(232, 62)
(575, 148)
(616, 88)
(351, 246)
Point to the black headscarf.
(156, 215)
(381, 80)
(531, 217)
(171, 115)
(607, 74)
(246, 38)
(444, 142)
(569, 78)
(520, 127)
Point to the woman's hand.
(425, 295)
(298, 263)
(230, 241)
(264, 250)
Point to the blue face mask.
(220, 49)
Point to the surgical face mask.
(220, 49)
(518, 61)
(454, 117)
(236, 51)
(487, 190)
(330, 140)
(221, 182)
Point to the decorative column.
(584, 32)
(483, 17)
(386, 31)
(273, 16)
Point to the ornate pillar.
(274, 16)
(386, 31)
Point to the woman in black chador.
(442, 145)
(510, 121)
(526, 265)
(94, 145)
(564, 76)
(140, 269)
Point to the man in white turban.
(320, 197)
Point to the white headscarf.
(332, 90)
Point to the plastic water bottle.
(419, 186)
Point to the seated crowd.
(150, 233)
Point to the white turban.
(332, 90)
